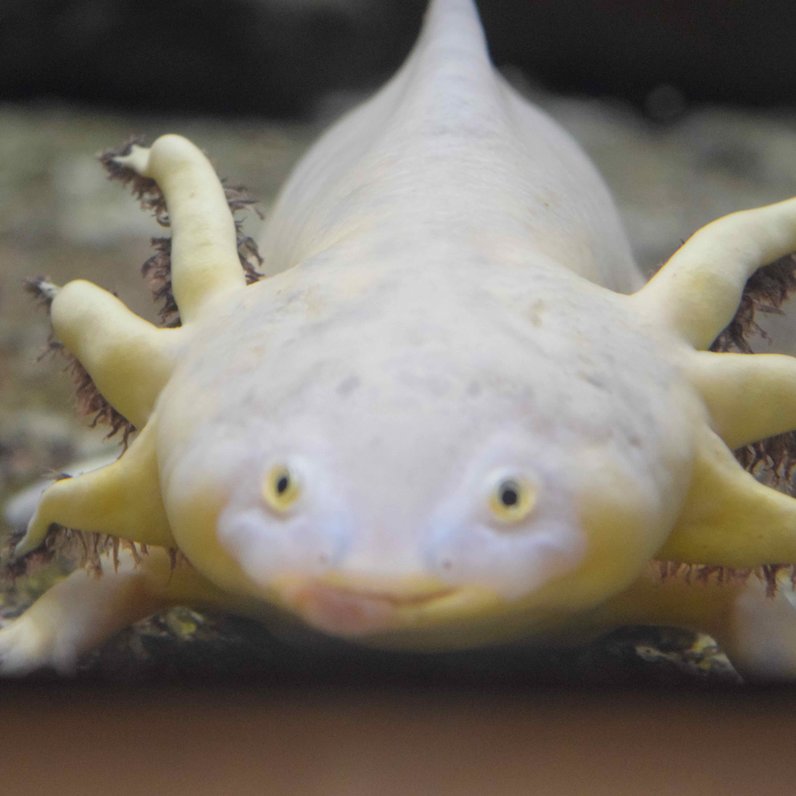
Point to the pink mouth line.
(396, 600)
(354, 612)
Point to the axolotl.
(452, 415)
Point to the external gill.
(204, 246)
(729, 518)
(157, 269)
(89, 401)
(130, 360)
(772, 460)
(697, 293)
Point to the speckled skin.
(450, 416)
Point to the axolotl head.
(383, 459)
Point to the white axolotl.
(452, 415)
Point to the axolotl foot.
(65, 622)
(82, 611)
(27, 645)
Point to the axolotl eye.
(281, 489)
(512, 500)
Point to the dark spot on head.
(474, 389)
(348, 385)
(593, 378)
(537, 313)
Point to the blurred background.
(688, 108)
(278, 57)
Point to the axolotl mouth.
(350, 611)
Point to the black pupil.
(282, 484)
(509, 495)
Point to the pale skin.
(287, 473)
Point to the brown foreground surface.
(357, 742)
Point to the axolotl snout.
(450, 415)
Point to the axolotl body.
(452, 415)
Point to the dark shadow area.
(225, 649)
(276, 58)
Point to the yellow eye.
(512, 500)
(281, 489)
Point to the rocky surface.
(61, 218)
